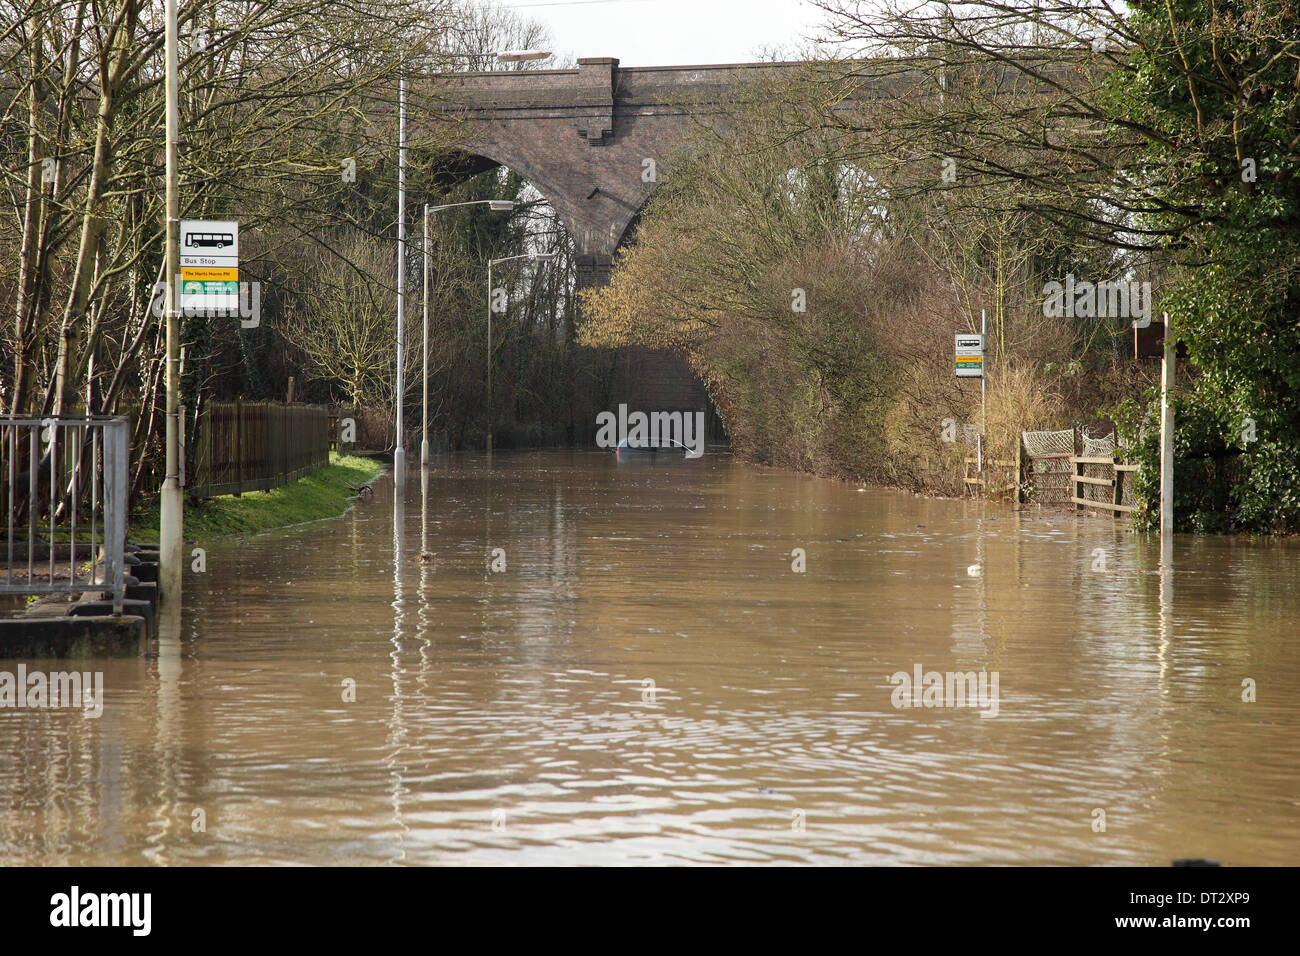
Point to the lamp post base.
(170, 540)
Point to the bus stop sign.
(210, 263)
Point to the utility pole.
(399, 453)
(424, 420)
(171, 501)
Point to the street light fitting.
(501, 205)
(519, 56)
(544, 257)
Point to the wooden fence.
(1049, 470)
(254, 446)
(1112, 479)
(1006, 480)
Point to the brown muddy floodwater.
(508, 717)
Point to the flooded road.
(648, 680)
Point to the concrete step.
(134, 588)
(143, 591)
(136, 608)
(51, 605)
(73, 637)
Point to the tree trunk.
(33, 208)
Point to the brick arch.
(518, 160)
(630, 230)
(585, 138)
(597, 235)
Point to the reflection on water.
(507, 717)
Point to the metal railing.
(64, 483)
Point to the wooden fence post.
(285, 438)
(239, 447)
(1020, 463)
(1076, 469)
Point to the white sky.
(673, 32)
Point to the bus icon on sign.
(209, 240)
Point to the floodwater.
(508, 717)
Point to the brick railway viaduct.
(592, 141)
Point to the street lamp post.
(399, 453)
(171, 501)
(496, 205)
(424, 376)
(536, 257)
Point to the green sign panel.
(210, 288)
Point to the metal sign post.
(979, 445)
(970, 364)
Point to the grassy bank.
(322, 494)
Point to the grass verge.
(322, 494)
